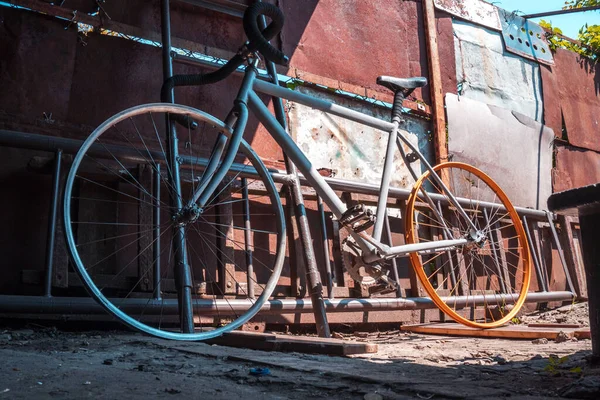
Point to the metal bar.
(561, 254)
(248, 240)
(495, 251)
(156, 277)
(326, 259)
(213, 66)
(312, 272)
(52, 224)
(388, 234)
(223, 6)
(84, 305)
(183, 277)
(534, 253)
(71, 146)
(437, 245)
(384, 189)
(560, 12)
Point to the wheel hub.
(188, 215)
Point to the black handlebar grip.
(259, 41)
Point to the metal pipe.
(156, 233)
(560, 12)
(71, 146)
(326, 259)
(83, 305)
(223, 6)
(183, 277)
(534, 253)
(561, 254)
(52, 224)
(388, 234)
(248, 240)
(495, 250)
(312, 272)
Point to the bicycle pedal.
(358, 218)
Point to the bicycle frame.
(371, 245)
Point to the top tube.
(323, 105)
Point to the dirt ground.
(42, 362)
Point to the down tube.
(296, 155)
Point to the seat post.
(397, 107)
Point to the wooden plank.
(284, 343)
(505, 332)
(435, 86)
(549, 325)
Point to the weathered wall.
(511, 148)
(487, 73)
(345, 45)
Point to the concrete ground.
(43, 362)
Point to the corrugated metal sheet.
(513, 149)
(351, 150)
(575, 168)
(572, 91)
(487, 73)
(476, 11)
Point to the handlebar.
(257, 41)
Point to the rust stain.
(475, 11)
(572, 93)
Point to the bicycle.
(117, 213)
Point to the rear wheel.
(483, 283)
(125, 212)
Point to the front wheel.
(483, 283)
(130, 227)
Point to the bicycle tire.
(106, 168)
(481, 286)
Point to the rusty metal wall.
(572, 92)
(82, 80)
(572, 109)
(355, 41)
(575, 167)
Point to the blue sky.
(569, 23)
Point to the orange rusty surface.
(575, 167)
(356, 41)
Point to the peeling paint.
(487, 73)
(351, 150)
(475, 11)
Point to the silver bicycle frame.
(371, 245)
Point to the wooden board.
(506, 332)
(299, 344)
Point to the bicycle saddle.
(404, 85)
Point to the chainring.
(364, 274)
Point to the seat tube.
(385, 181)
